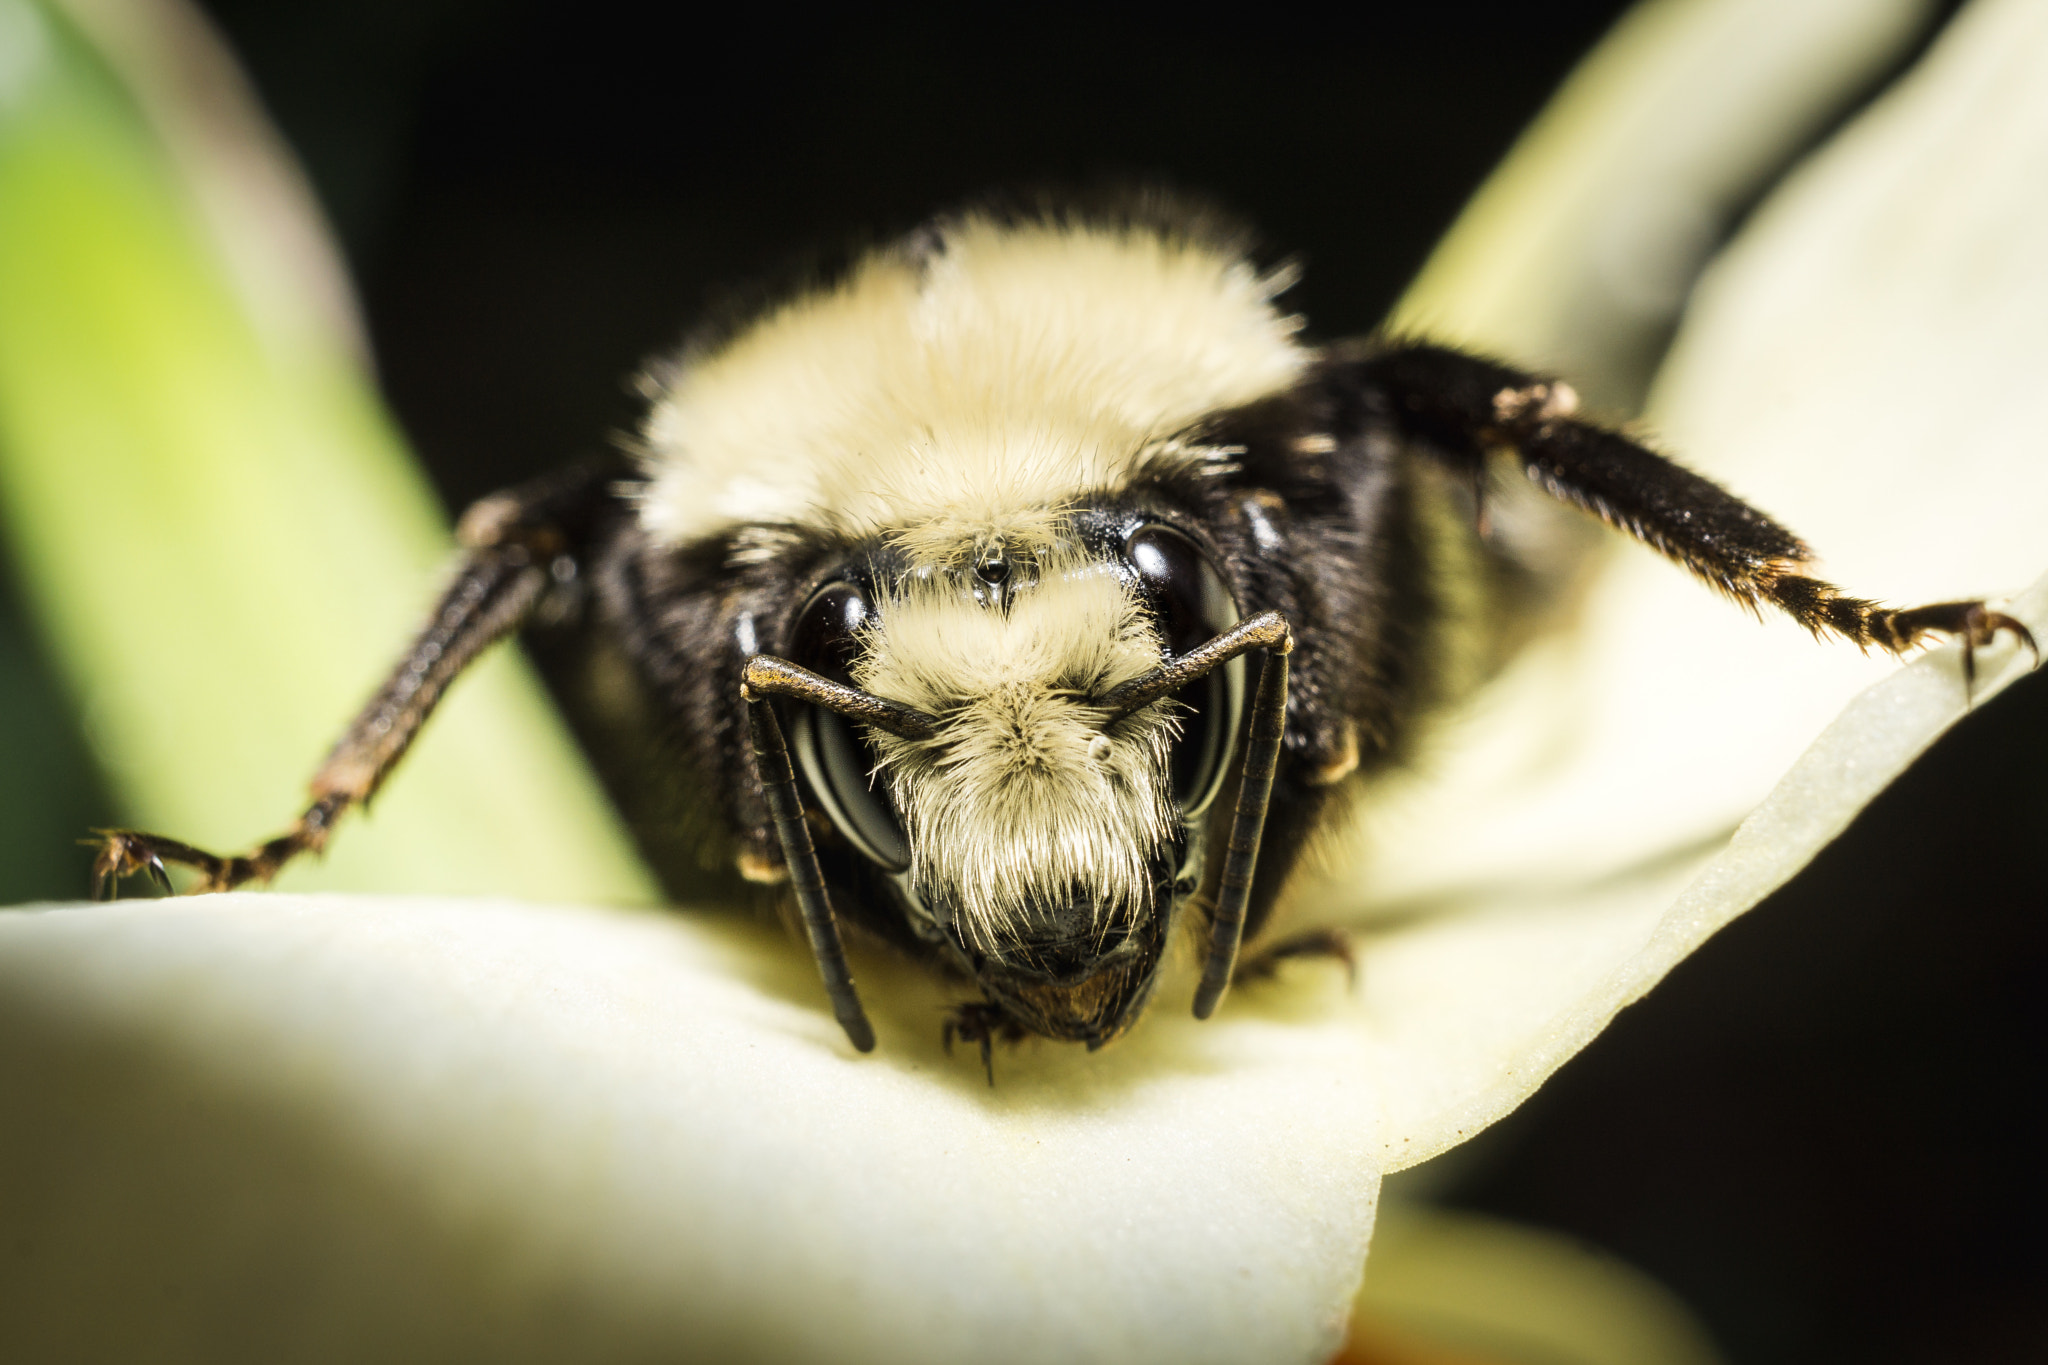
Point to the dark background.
(1821, 1131)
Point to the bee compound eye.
(1190, 606)
(835, 757)
(1182, 587)
(839, 766)
(825, 637)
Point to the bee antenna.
(766, 673)
(1268, 631)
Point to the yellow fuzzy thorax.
(1006, 368)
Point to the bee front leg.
(1461, 409)
(125, 852)
(517, 544)
(1329, 944)
(981, 1022)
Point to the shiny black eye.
(837, 762)
(1190, 606)
(825, 637)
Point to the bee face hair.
(988, 528)
(1029, 796)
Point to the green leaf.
(217, 525)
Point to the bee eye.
(826, 635)
(1190, 606)
(837, 762)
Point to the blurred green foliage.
(215, 526)
(51, 793)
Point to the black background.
(1821, 1131)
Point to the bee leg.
(1461, 408)
(980, 1022)
(126, 852)
(517, 544)
(1334, 944)
(123, 853)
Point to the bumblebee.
(1034, 591)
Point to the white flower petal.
(278, 1121)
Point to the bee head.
(1040, 833)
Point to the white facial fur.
(1023, 797)
(979, 386)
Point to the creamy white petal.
(269, 1126)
